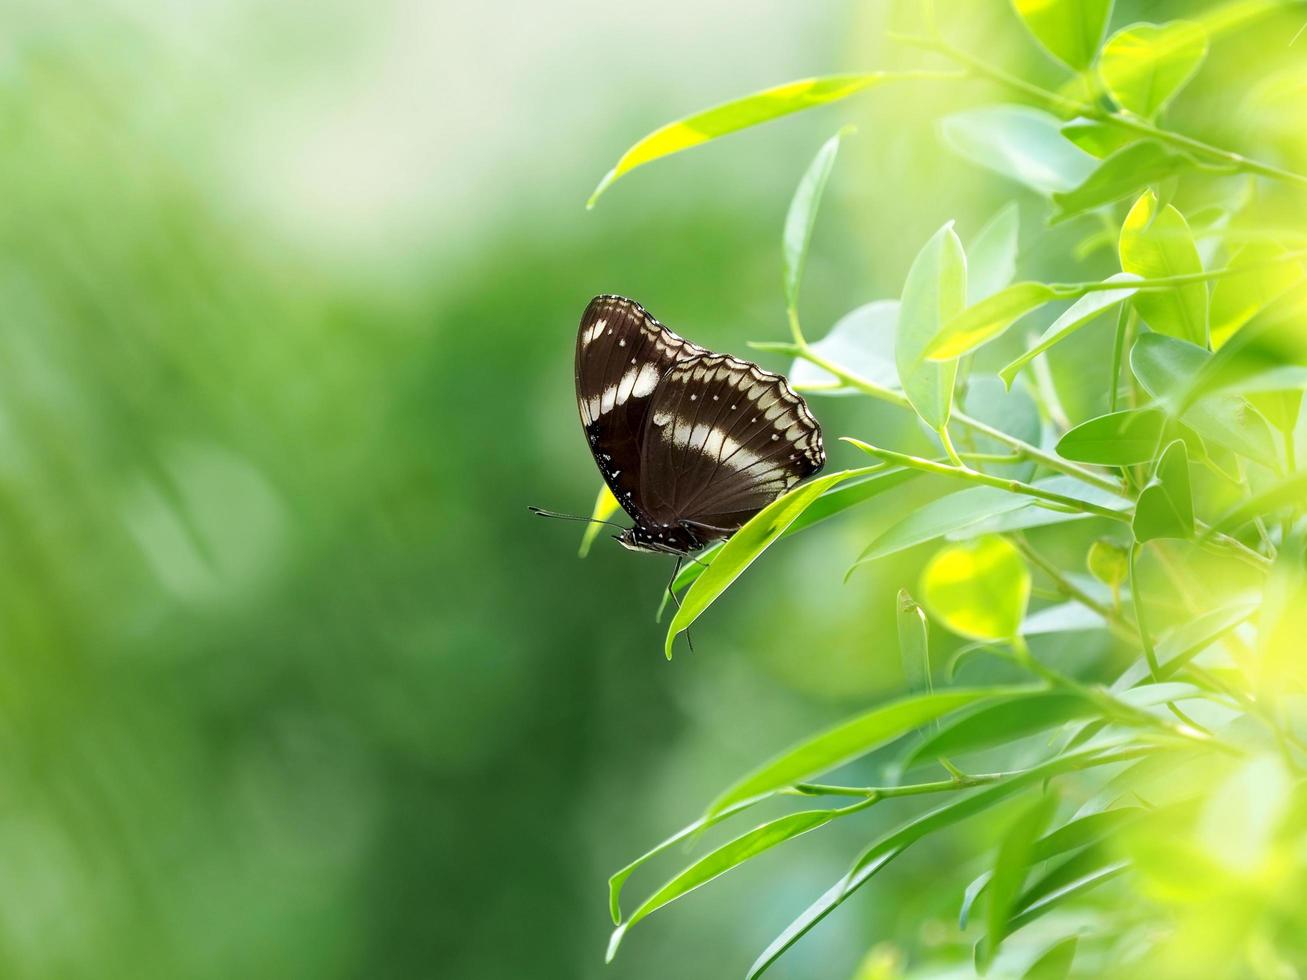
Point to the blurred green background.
(293, 684)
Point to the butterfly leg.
(680, 560)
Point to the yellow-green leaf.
(1121, 175)
(1155, 244)
(982, 322)
(1144, 66)
(1165, 508)
(729, 117)
(1108, 562)
(1096, 137)
(1237, 298)
(604, 508)
(1070, 30)
(978, 589)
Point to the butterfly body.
(691, 443)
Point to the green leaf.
(1055, 962)
(1010, 868)
(1144, 66)
(1289, 492)
(1156, 244)
(855, 491)
(1040, 516)
(1121, 175)
(604, 508)
(853, 739)
(888, 847)
(1268, 354)
(1109, 563)
(1166, 368)
(743, 548)
(978, 589)
(1000, 724)
(954, 512)
(934, 292)
(862, 343)
(1073, 877)
(992, 254)
(1098, 138)
(1165, 508)
(726, 857)
(802, 215)
(1115, 439)
(914, 643)
(1017, 142)
(1237, 298)
(618, 879)
(1072, 319)
(730, 117)
(987, 319)
(1066, 617)
(1070, 30)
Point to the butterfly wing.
(621, 354)
(723, 438)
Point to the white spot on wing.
(595, 331)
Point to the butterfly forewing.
(723, 438)
(621, 355)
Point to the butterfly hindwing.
(723, 438)
(621, 354)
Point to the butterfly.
(691, 443)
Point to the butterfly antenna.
(541, 512)
(680, 560)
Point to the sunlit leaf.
(987, 319)
(934, 292)
(1144, 66)
(1010, 868)
(1019, 142)
(1156, 244)
(1070, 30)
(1075, 876)
(1237, 298)
(1096, 137)
(1115, 439)
(1072, 319)
(992, 254)
(1166, 368)
(978, 589)
(605, 507)
(1165, 508)
(802, 215)
(1121, 175)
(861, 343)
(852, 739)
(1038, 515)
(744, 547)
(1268, 354)
(730, 117)
(1012, 412)
(1289, 492)
(914, 643)
(1066, 617)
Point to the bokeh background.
(293, 685)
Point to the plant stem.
(975, 476)
(1074, 107)
(1123, 323)
(1072, 591)
(947, 443)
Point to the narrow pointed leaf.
(744, 547)
(852, 739)
(1072, 319)
(1000, 724)
(605, 507)
(914, 643)
(987, 319)
(802, 215)
(1120, 175)
(730, 117)
(934, 292)
(1010, 868)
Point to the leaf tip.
(602, 186)
(614, 941)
